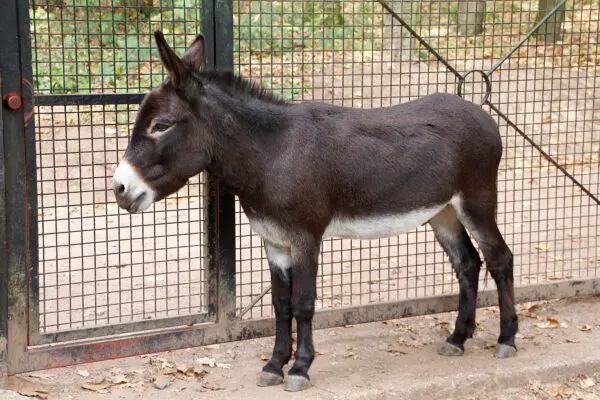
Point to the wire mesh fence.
(358, 54)
(99, 265)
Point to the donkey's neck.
(248, 129)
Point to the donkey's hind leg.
(477, 213)
(466, 263)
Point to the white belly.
(372, 227)
(279, 243)
(380, 226)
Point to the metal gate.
(87, 282)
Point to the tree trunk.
(470, 17)
(144, 7)
(551, 31)
(397, 40)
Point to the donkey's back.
(356, 163)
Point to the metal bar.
(208, 21)
(422, 41)
(88, 99)
(17, 232)
(3, 265)
(122, 328)
(49, 356)
(526, 37)
(253, 302)
(31, 193)
(546, 155)
(223, 200)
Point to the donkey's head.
(170, 141)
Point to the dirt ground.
(558, 358)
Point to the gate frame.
(3, 263)
(18, 262)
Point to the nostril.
(118, 189)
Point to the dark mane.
(236, 84)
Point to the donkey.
(303, 172)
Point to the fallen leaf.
(536, 387)
(494, 309)
(83, 372)
(396, 351)
(550, 323)
(95, 380)
(212, 387)
(529, 310)
(264, 358)
(119, 379)
(318, 353)
(349, 354)
(585, 328)
(27, 387)
(586, 382)
(183, 368)
(213, 346)
(97, 386)
(199, 371)
(138, 387)
(556, 391)
(413, 342)
(542, 246)
(41, 376)
(155, 360)
(547, 119)
(161, 382)
(446, 326)
(206, 361)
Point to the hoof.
(269, 379)
(296, 383)
(450, 350)
(505, 351)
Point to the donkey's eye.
(160, 127)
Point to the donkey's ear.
(176, 68)
(194, 55)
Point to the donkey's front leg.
(304, 288)
(281, 292)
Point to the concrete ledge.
(470, 376)
(395, 359)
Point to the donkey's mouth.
(131, 190)
(139, 204)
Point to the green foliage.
(107, 45)
(276, 27)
